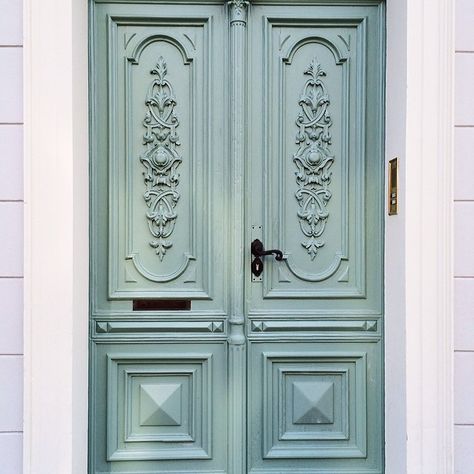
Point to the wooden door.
(214, 125)
(315, 192)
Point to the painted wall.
(11, 237)
(11, 258)
(464, 239)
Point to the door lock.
(259, 251)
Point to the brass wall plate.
(393, 187)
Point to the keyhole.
(257, 266)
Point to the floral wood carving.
(161, 159)
(313, 159)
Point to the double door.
(236, 237)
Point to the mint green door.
(213, 126)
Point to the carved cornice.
(238, 12)
(161, 159)
(313, 158)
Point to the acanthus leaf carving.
(161, 159)
(313, 159)
(239, 5)
(238, 9)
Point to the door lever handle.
(259, 251)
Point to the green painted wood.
(211, 125)
(316, 192)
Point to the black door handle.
(259, 251)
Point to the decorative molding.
(237, 61)
(313, 326)
(340, 57)
(313, 158)
(238, 12)
(56, 154)
(423, 330)
(161, 159)
(138, 49)
(237, 347)
(147, 329)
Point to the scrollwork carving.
(313, 159)
(161, 159)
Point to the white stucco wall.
(11, 237)
(464, 240)
(11, 260)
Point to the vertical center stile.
(237, 11)
(238, 77)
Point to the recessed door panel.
(164, 73)
(159, 196)
(315, 142)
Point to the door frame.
(418, 242)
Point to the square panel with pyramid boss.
(158, 407)
(315, 404)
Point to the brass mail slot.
(393, 187)
(161, 305)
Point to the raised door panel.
(315, 145)
(315, 407)
(161, 216)
(159, 406)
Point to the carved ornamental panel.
(161, 159)
(163, 168)
(311, 136)
(313, 158)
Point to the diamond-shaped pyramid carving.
(160, 404)
(313, 402)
